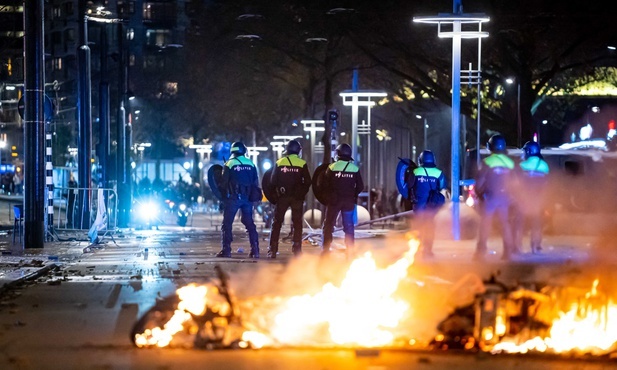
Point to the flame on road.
(362, 310)
(588, 326)
(192, 300)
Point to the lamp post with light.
(519, 125)
(457, 33)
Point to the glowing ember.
(590, 326)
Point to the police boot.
(254, 252)
(272, 252)
(296, 248)
(225, 252)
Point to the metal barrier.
(70, 215)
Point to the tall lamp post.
(313, 126)
(456, 33)
(519, 125)
(356, 99)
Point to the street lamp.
(453, 28)
(383, 137)
(313, 126)
(519, 126)
(356, 99)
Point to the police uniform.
(238, 180)
(421, 181)
(493, 186)
(343, 183)
(532, 175)
(291, 179)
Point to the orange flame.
(192, 300)
(361, 311)
(590, 325)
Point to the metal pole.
(34, 126)
(519, 126)
(122, 180)
(84, 107)
(104, 106)
(354, 127)
(456, 110)
(479, 103)
(425, 128)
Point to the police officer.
(495, 196)
(343, 183)
(532, 174)
(421, 181)
(238, 181)
(291, 179)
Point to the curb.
(33, 275)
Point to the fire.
(362, 311)
(588, 326)
(192, 300)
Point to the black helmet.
(496, 144)
(426, 159)
(343, 151)
(293, 147)
(531, 149)
(238, 148)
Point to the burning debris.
(552, 320)
(362, 311)
(371, 308)
(200, 316)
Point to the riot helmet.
(426, 159)
(238, 148)
(343, 152)
(293, 147)
(531, 149)
(496, 144)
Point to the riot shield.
(215, 173)
(404, 167)
(268, 188)
(321, 194)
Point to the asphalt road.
(79, 315)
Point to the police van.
(582, 178)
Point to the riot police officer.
(493, 186)
(291, 180)
(342, 183)
(421, 181)
(238, 181)
(532, 174)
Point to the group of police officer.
(291, 179)
(510, 191)
(514, 193)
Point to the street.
(78, 315)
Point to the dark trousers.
(533, 217)
(332, 212)
(230, 209)
(424, 221)
(489, 209)
(281, 207)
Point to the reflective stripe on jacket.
(291, 177)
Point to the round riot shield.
(215, 173)
(404, 167)
(318, 184)
(268, 188)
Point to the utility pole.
(84, 108)
(34, 126)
